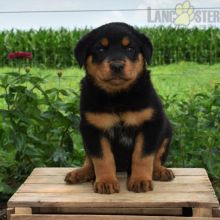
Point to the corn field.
(54, 48)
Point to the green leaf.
(63, 92)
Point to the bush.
(36, 128)
(196, 141)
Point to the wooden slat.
(149, 199)
(54, 171)
(102, 217)
(216, 212)
(23, 210)
(202, 212)
(60, 179)
(10, 211)
(119, 211)
(87, 188)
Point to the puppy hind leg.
(160, 172)
(82, 174)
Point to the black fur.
(141, 94)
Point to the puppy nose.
(116, 66)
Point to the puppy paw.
(139, 185)
(79, 176)
(163, 174)
(106, 187)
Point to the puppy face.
(114, 55)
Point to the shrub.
(196, 141)
(36, 128)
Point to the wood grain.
(45, 187)
(54, 171)
(102, 217)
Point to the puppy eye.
(130, 49)
(100, 49)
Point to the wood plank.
(202, 212)
(149, 199)
(115, 211)
(87, 188)
(23, 210)
(54, 171)
(216, 212)
(10, 211)
(60, 179)
(102, 217)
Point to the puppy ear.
(146, 48)
(81, 50)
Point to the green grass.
(182, 79)
(185, 79)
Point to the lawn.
(182, 79)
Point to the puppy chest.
(122, 141)
(106, 121)
(121, 135)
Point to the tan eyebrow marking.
(104, 42)
(125, 41)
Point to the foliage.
(39, 127)
(175, 45)
(54, 48)
(36, 128)
(196, 141)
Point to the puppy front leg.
(140, 179)
(105, 171)
(98, 148)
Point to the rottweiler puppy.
(123, 125)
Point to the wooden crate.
(44, 195)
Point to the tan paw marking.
(106, 187)
(163, 174)
(79, 176)
(142, 185)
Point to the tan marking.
(105, 121)
(161, 172)
(133, 69)
(125, 41)
(102, 72)
(98, 71)
(105, 166)
(104, 42)
(102, 120)
(82, 174)
(105, 170)
(142, 166)
(136, 118)
(159, 154)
